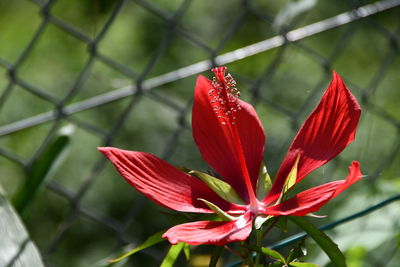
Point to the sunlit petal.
(313, 199)
(215, 142)
(163, 183)
(325, 133)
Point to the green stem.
(259, 234)
(248, 255)
(231, 250)
(274, 221)
(250, 259)
(243, 252)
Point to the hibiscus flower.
(231, 140)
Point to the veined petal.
(211, 232)
(313, 199)
(163, 183)
(325, 133)
(215, 140)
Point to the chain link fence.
(123, 71)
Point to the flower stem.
(274, 221)
(231, 250)
(248, 254)
(259, 236)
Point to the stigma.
(224, 96)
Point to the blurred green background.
(60, 53)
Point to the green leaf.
(16, 248)
(273, 254)
(275, 264)
(224, 190)
(357, 255)
(151, 241)
(302, 264)
(105, 263)
(222, 214)
(41, 168)
(172, 255)
(327, 245)
(264, 182)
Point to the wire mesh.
(152, 93)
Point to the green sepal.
(260, 220)
(184, 169)
(222, 214)
(292, 176)
(324, 242)
(273, 254)
(302, 264)
(264, 182)
(172, 255)
(150, 241)
(223, 189)
(186, 250)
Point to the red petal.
(215, 139)
(210, 232)
(313, 199)
(325, 133)
(163, 183)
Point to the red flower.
(231, 140)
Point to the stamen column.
(226, 106)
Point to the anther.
(224, 95)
